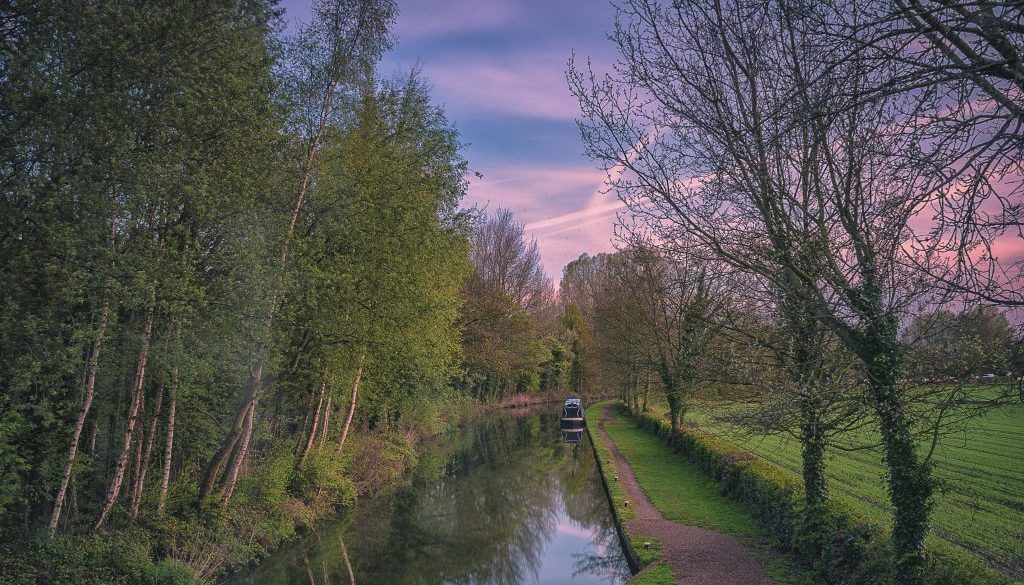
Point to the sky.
(498, 68)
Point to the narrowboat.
(572, 415)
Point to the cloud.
(530, 84)
(535, 193)
(561, 206)
(576, 217)
(418, 21)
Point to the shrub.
(323, 480)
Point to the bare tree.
(964, 60)
(679, 301)
(509, 302)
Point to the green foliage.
(123, 559)
(325, 474)
(268, 485)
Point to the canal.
(503, 501)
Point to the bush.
(844, 548)
(323, 480)
(122, 558)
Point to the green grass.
(674, 485)
(658, 574)
(683, 494)
(980, 502)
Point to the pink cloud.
(563, 208)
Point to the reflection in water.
(503, 502)
(572, 436)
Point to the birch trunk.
(133, 409)
(88, 391)
(316, 422)
(327, 421)
(243, 449)
(255, 382)
(352, 406)
(169, 447)
(137, 439)
(140, 481)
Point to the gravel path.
(697, 556)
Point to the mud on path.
(697, 556)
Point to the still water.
(502, 502)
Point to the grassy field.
(683, 494)
(980, 504)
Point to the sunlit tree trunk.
(165, 480)
(327, 421)
(243, 450)
(311, 437)
(140, 481)
(352, 405)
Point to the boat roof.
(573, 401)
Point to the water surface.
(502, 502)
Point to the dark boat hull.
(571, 424)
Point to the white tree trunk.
(133, 411)
(169, 447)
(88, 391)
(352, 406)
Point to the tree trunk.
(243, 449)
(235, 434)
(813, 443)
(133, 409)
(910, 481)
(352, 406)
(137, 439)
(140, 481)
(348, 563)
(165, 480)
(326, 427)
(311, 437)
(676, 404)
(88, 391)
(239, 427)
(647, 390)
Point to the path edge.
(620, 527)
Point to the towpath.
(697, 556)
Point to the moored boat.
(572, 418)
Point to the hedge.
(849, 549)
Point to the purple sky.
(498, 68)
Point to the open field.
(980, 502)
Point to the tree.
(963, 62)
(730, 131)
(344, 40)
(508, 298)
(680, 301)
